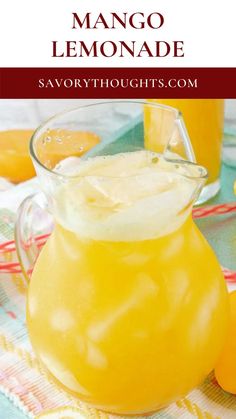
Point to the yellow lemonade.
(204, 119)
(127, 306)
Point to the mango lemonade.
(127, 306)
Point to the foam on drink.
(124, 197)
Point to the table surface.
(220, 230)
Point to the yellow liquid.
(204, 119)
(128, 326)
(15, 162)
(107, 318)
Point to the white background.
(207, 28)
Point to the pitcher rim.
(43, 125)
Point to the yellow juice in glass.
(127, 306)
(204, 119)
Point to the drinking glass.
(229, 144)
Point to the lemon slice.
(15, 162)
(63, 413)
(53, 146)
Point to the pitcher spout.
(196, 173)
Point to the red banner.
(106, 83)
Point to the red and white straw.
(211, 210)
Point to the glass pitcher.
(127, 306)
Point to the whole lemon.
(225, 370)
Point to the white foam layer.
(124, 197)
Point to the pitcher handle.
(33, 226)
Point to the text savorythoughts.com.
(117, 83)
